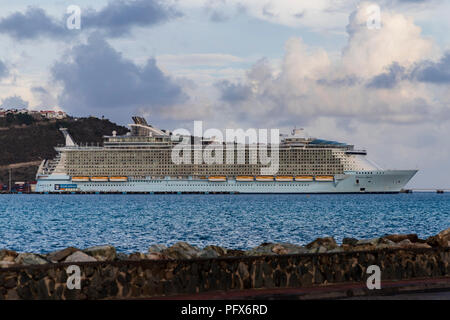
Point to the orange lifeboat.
(217, 178)
(80, 179)
(264, 178)
(99, 179)
(304, 178)
(284, 178)
(324, 178)
(245, 178)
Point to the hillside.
(33, 141)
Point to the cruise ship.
(142, 162)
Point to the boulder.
(182, 251)
(328, 243)
(219, 250)
(7, 264)
(263, 249)
(400, 237)
(155, 256)
(60, 255)
(234, 253)
(349, 241)
(122, 256)
(208, 253)
(365, 242)
(157, 248)
(137, 256)
(8, 255)
(79, 256)
(102, 253)
(30, 259)
(320, 249)
(442, 239)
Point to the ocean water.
(43, 223)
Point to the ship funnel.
(69, 140)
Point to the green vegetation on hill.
(20, 142)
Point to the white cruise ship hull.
(385, 181)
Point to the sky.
(375, 74)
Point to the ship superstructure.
(142, 161)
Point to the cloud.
(433, 72)
(389, 79)
(231, 92)
(32, 24)
(14, 102)
(308, 84)
(97, 79)
(3, 70)
(116, 19)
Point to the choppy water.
(42, 223)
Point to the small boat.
(118, 179)
(80, 179)
(324, 178)
(264, 178)
(245, 178)
(217, 178)
(304, 178)
(99, 179)
(284, 178)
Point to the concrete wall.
(132, 279)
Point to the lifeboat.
(324, 178)
(80, 179)
(284, 178)
(245, 178)
(118, 179)
(218, 178)
(264, 178)
(304, 178)
(99, 179)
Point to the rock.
(157, 248)
(263, 249)
(234, 253)
(102, 253)
(349, 241)
(137, 256)
(8, 255)
(363, 242)
(219, 250)
(336, 250)
(328, 243)
(400, 237)
(279, 249)
(319, 249)
(80, 256)
(7, 264)
(121, 256)
(442, 239)
(29, 259)
(182, 251)
(155, 256)
(60, 255)
(208, 253)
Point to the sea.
(44, 223)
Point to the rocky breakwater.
(186, 269)
(185, 251)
